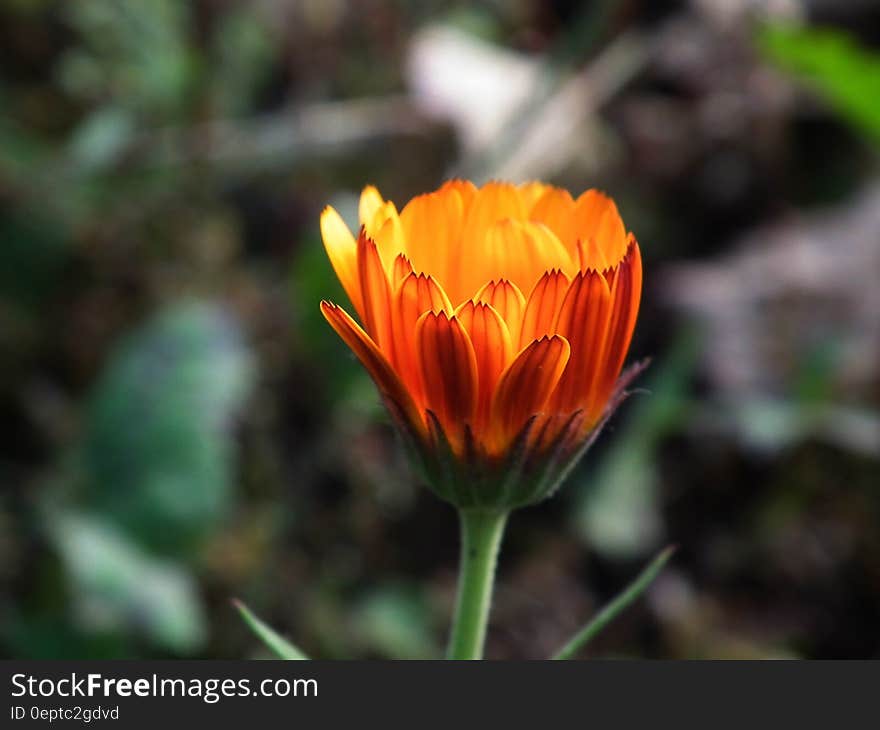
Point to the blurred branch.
(540, 145)
(316, 130)
(319, 130)
(536, 140)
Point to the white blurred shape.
(474, 84)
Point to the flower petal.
(531, 250)
(626, 291)
(449, 371)
(531, 192)
(542, 308)
(386, 231)
(554, 209)
(492, 347)
(432, 225)
(376, 364)
(376, 293)
(493, 202)
(416, 295)
(465, 188)
(342, 251)
(526, 386)
(402, 267)
(583, 321)
(591, 257)
(370, 202)
(521, 251)
(506, 298)
(595, 216)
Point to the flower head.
(496, 321)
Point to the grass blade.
(617, 606)
(282, 648)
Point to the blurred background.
(179, 426)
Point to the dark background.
(178, 425)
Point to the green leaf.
(115, 586)
(616, 607)
(158, 454)
(845, 73)
(282, 648)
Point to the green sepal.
(524, 475)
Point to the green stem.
(481, 532)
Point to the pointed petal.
(376, 293)
(591, 256)
(402, 267)
(520, 250)
(595, 215)
(475, 266)
(555, 210)
(449, 371)
(507, 300)
(492, 347)
(542, 308)
(526, 250)
(493, 202)
(370, 202)
(464, 188)
(386, 231)
(416, 295)
(432, 225)
(583, 321)
(376, 364)
(526, 386)
(531, 192)
(626, 291)
(342, 251)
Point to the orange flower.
(495, 324)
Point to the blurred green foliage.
(844, 72)
(154, 479)
(157, 449)
(134, 53)
(393, 620)
(114, 586)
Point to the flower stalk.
(481, 534)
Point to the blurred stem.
(481, 532)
